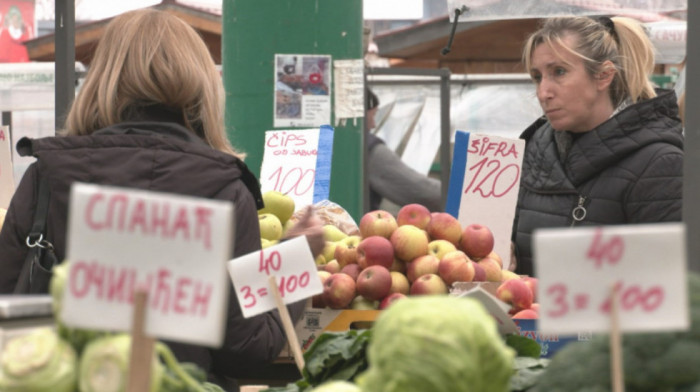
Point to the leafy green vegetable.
(333, 356)
(38, 362)
(336, 356)
(524, 346)
(337, 386)
(104, 365)
(527, 371)
(436, 344)
(652, 361)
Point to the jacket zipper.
(579, 212)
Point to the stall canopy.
(521, 9)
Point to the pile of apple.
(415, 253)
(520, 293)
(274, 217)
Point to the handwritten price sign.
(290, 262)
(175, 247)
(578, 269)
(7, 182)
(484, 184)
(298, 163)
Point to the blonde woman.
(609, 148)
(150, 116)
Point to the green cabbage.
(38, 362)
(436, 344)
(104, 365)
(337, 386)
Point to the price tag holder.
(484, 185)
(292, 265)
(577, 269)
(7, 180)
(173, 247)
(298, 163)
(495, 307)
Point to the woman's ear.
(606, 75)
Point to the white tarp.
(645, 10)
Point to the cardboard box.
(315, 321)
(550, 344)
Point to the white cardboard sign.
(495, 307)
(578, 268)
(484, 185)
(298, 163)
(174, 246)
(291, 262)
(7, 180)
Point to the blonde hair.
(620, 40)
(150, 57)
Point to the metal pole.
(64, 75)
(445, 145)
(691, 167)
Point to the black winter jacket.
(629, 169)
(155, 156)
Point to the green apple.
(329, 250)
(270, 227)
(320, 260)
(265, 243)
(332, 233)
(279, 204)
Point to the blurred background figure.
(389, 177)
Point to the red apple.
(351, 269)
(375, 250)
(398, 266)
(409, 242)
(332, 266)
(389, 299)
(413, 214)
(443, 226)
(374, 282)
(456, 267)
(428, 284)
(506, 275)
(339, 290)
(479, 273)
(536, 307)
(377, 222)
(439, 248)
(426, 264)
(493, 271)
(477, 241)
(531, 282)
(516, 293)
(399, 283)
(346, 250)
(317, 300)
(496, 257)
(525, 314)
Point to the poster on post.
(349, 89)
(484, 185)
(302, 90)
(7, 179)
(292, 265)
(298, 164)
(626, 258)
(173, 247)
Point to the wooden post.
(287, 324)
(141, 357)
(616, 365)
